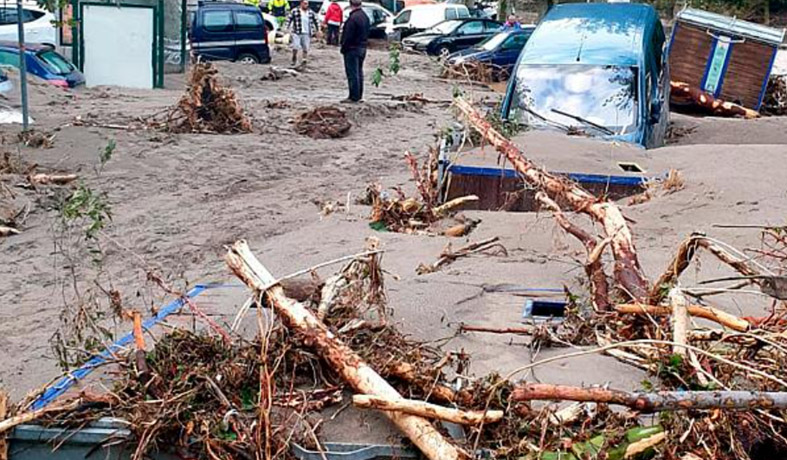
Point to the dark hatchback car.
(229, 32)
(43, 62)
(500, 51)
(452, 35)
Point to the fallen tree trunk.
(427, 410)
(628, 272)
(684, 92)
(342, 359)
(656, 401)
(725, 319)
(497, 330)
(593, 267)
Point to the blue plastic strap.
(765, 80)
(61, 386)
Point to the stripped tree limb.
(495, 330)
(725, 319)
(8, 231)
(738, 264)
(656, 401)
(455, 203)
(679, 263)
(406, 372)
(593, 267)
(628, 272)
(54, 179)
(684, 92)
(27, 417)
(427, 410)
(449, 256)
(680, 321)
(344, 360)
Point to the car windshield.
(445, 27)
(491, 43)
(56, 63)
(600, 98)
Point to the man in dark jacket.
(354, 38)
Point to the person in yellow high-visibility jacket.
(279, 9)
(252, 2)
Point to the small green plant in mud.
(377, 77)
(394, 65)
(88, 208)
(105, 154)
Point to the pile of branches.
(207, 106)
(775, 101)
(323, 123)
(477, 71)
(731, 380)
(395, 211)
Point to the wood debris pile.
(775, 101)
(394, 211)
(323, 123)
(207, 106)
(474, 71)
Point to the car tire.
(247, 58)
(443, 52)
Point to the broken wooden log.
(679, 263)
(680, 321)
(427, 410)
(686, 93)
(8, 231)
(593, 266)
(655, 401)
(53, 179)
(26, 417)
(453, 204)
(628, 272)
(406, 372)
(725, 319)
(342, 359)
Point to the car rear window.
(56, 63)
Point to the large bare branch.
(342, 359)
(427, 410)
(628, 272)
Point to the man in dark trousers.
(354, 38)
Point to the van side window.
(462, 13)
(450, 13)
(403, 18)
(247, 21)
(218, 21)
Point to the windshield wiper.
(557, 124)
(585, 121)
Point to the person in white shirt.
(303, 25)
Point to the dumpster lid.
(732, 25)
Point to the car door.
(468, 34)
(216, 35)
(249, 32)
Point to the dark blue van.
(595, 68)
(229, 32)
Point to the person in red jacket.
(333, 22)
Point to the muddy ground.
(177, 200)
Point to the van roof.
(591, 33)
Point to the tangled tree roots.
(323, 123)
(207, 107)
(475, 71)
(775, 102)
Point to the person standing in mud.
(303, 25)
(333, 23)
(354, 39)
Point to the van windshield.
(576, 95)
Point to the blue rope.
(62, 385)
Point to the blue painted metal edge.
(708, 62)
(766, 79)
(584, 178)
(61, 386)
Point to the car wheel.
(443, 52)
(248, 59)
